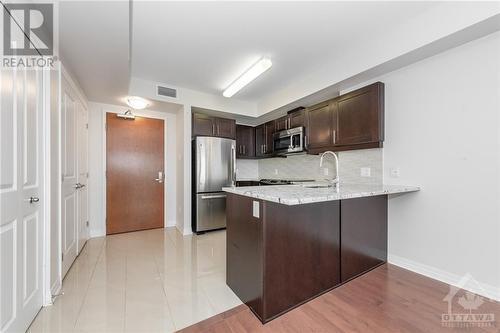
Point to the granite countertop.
(297, 194)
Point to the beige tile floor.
(147, 281)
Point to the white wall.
(180, 171)
(184, 175)
(442, 132)
(97, 164)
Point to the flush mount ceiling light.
(137, 103)
(253, 72)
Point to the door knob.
(33, 199)
(160, 177)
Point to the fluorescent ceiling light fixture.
(253, 72)
(137, 103)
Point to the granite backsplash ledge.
(307, 167)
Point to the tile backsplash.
(296, 167)
(247, 169)
(351, 164)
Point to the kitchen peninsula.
(288, 244)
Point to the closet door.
(21, 197)
(69, 169)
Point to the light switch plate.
(256, 209)
(395, 172)
(366, 172)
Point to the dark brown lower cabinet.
(363, 233)
(286, 256)
(244, 251)
(280, 256)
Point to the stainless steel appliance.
(289, 141)
(214, 161)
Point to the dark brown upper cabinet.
(291, 120)
(321, 125)
(351, 121)
(297, 119)
(264, 139)
(360, 116)
(268, 145)
(260, 138)
(205, 125)
(245, 141)
(226, 128)
(281, 123)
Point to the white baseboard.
(96, 233)
(483, 289)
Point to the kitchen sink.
(316, 185)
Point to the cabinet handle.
(213, 129)
(218, 196)
(244, 150)
(305, 141)
(334, 136)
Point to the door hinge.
(87, 126)
(62, 256)
(88, 174)
(87, 223)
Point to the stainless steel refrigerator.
(214, 162)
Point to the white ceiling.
(205, 46)
(94, 45)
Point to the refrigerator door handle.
(233, 165)
(218, 196)
(203, 162)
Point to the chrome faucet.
(334, 181)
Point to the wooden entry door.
(134, 174)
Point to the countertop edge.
(386, 190)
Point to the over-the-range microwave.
(289, 141)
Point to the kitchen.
(313, 217)
(251, 167)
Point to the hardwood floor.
(386, 299)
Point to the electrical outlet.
(394, 172)
(275, 171)
(365, 172)
(325, 171)
(256, 209)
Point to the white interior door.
(83, 216)
(21, 189)
(69, 204)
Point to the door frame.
(167, 181)
(46, 165)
